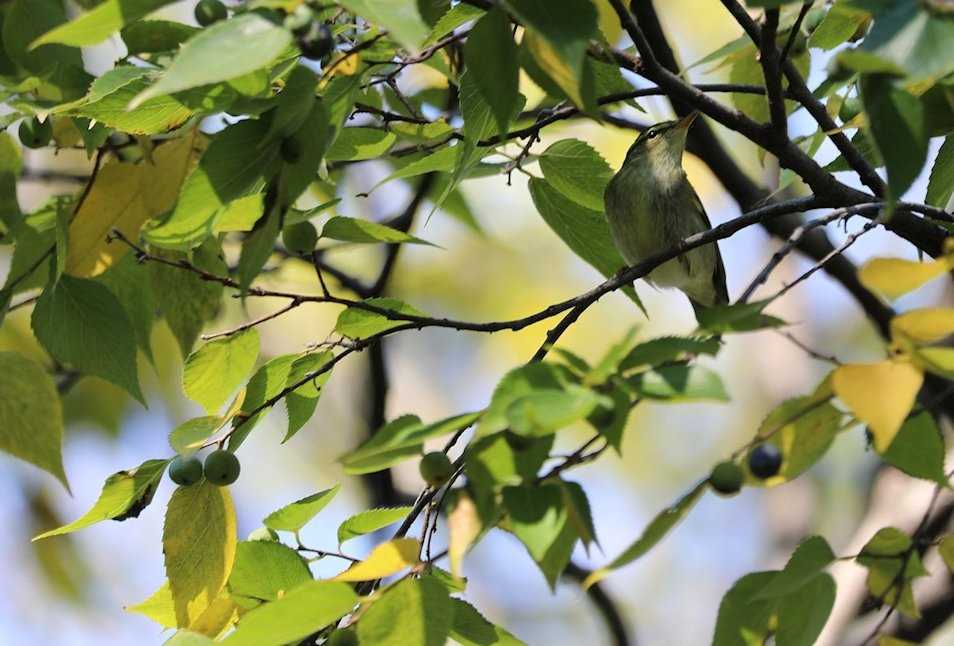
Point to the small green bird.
(651, 206)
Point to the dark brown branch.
(769, 58)
(606, 606)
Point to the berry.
(34, 133)
(300, 238)
(317, 42)
(299, 21)
(850, 108)
(185, 471)
(436, 468)
(765, 460)
(290, 150)
(210, 11)
(222, 468)
(726, 478)
(263, 534)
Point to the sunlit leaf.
(214, 371)
(879, 394)
(386, 559)
(294, 516)
(369, 521)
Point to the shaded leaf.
(421, 607)
(369, 521)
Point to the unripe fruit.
(222, 468)
(34, 133)
(317, 42)
(765, 460)
(436, 468)
(300, 238)
(726, 478)
(850, 108)
(299, 21)
(185, 471)
(210, 11)
(263, 534)
(290, 150)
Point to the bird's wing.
(718, 279)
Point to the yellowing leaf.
(158, 607)
(555, 66)
(386, 559)
(161, 609)
(198, 540)
(879, 394)
(464, 525)
(892, 277)
(123, 197)
(926, 325)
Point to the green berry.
(34, 133)
(210, 11)
(222, 468)
(263, 534)
(850, 108)
(185, 471)
(765, 460)
(299, 21)
(436, 468)
(300, 238)
(317, 42)
(726, 478)
(290, 150)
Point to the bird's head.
(662, 144)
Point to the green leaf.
(302, 611)
(802, 614)
(266, 383)
(577, 171)
(401, 19)
(314, 136)
(657, 529)
(257, 248)
(458, 15)
(892, 565)
(809, 559)
(189, 436)
(27, 20)
(370, 521)
(124, 495)
(99, 23)
(896, 119)
(441, 160)
(491, 59)
(128, 281)
(233, 164)
(518, 383)
(946, 550)
(82, 324)
(400, 439)
(471, 629)
(941, 185)
(585, 232)
(538, 516)
(579, 512)
(155, 36)
(266, 570)
(295, 103)
(546, 411)
(803, 429)
(108, 103)
(679, 383)
(742, 621)
(198, 540)
(240, 214)
(667, 349)
(364, 231)
(221, 52)
(610, 421)
(840, 23)
(738, 317)
(301, 402)
(31, 417)
(356, 323)
(918, 449)
(355, 144)
(214, 371)
(912, 38)
(421, 607)
(294, 516)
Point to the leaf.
(457, 16)
(491, 59)
(99, 23)
(893, 277)
(803, 429)
(31, 417)
(295, 103)
(742, 621)
(190, 435)
(111, 104)
(667, 349)
(231, 166)
(679, 383)
(198, 540)
(385, 559)
(464, 527)
(577, 171)
(160, 607)
(560, 39)
(266, 383)
(81, 323)
(214, 371)
(357, 323)
(399, 439)
(585, 232)
(471, 629)
(221, 52)
(402, 20)
(301, 402)
(129, 282)
(879, 394)
(370, 521)
(188, 638)
(421, 607)
(155, 36)
(355, 144)
(918, 449)
(925, 325)
(294, 516)
(546, 411)
(441, 160)
(123, 197)
(840, 23)
(365, 231)
(579, 513)
(304, 610)
(266, 570)
(518, 383)
(657, 529)
(912, 38)
(537, 515)
(946, 550)
(257, 247)
(808, 560)
(941, 184)
(124, 494)
(737, 317)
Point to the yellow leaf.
(198, 540)
(124, 196)
(879, 394)
(463, 523)
(892, 277)
(385, 559)
(160, 608)
(926, 325)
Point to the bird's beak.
(686, 121)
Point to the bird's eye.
(651, 134)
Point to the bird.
(651, 206)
